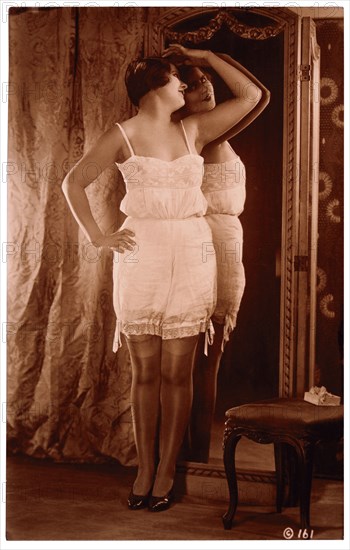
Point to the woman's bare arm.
(246, 95)
(87, 169)
(254, 113)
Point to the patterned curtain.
(68, 394)
(329, 332)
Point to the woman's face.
(174, 91)
(199, 94)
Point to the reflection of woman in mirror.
(224, 188)
(164, 291)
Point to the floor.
(47, 501)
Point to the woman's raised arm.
(246, 94)
(257, 109)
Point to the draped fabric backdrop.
(68, 394)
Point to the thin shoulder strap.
(186, 139)
(230, 146)
(125, 137)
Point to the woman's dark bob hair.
(143, 75)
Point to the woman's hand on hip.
(119, 241)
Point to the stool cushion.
(287, 415)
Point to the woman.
(164, 292)
(224, 188)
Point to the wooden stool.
(294, 426)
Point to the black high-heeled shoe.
(137, 502)
(158, 504)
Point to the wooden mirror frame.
(300, 173)
(300, 170)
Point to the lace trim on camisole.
(162, 189)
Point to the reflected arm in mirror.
(257, 109)
(246, 94)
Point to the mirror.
(271, 350)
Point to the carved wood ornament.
(219, 20)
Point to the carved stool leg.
(293, 475)
(279, 467)
(230, 470)
(306, 466)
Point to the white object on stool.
(320, 396)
